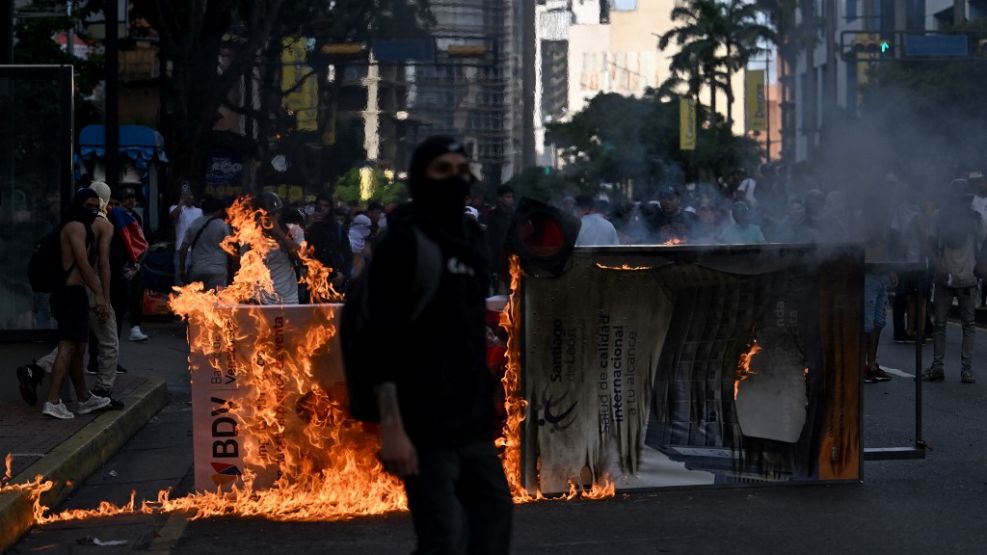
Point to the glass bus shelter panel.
(35, 124)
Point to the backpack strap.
(199, 233)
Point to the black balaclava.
(441, 199)
(77, 212)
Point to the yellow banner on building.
(687, 124)
(755, 103)
(299, 84)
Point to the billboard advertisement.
(669, 366)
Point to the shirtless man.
(70, 306)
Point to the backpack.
(358, 344)
(44, 269)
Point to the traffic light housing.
(865, 45)
(871, 45)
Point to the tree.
(634, 145)
(716, 39)
(696, 61)
(385, 189)
(742, 35)
(36, 45)
(209, 47)
(206, 49)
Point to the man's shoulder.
(101, 226)
(72, 227)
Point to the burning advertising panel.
(665, 366)
(224, 404)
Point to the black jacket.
(445, 391)
(331, 245)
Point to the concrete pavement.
(69, 451)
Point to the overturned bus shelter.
(670, 366)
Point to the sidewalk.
(69, 450)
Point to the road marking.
(896, 372)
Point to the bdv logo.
(459, 268)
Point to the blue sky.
(625, 4)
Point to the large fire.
(346, 479)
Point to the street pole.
(767, 104)
(6, 31)
(112, 113)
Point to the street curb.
(70, 463)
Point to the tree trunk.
(729, 85)
(730, 99)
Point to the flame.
(673, 241)
(517, 407)
(744, 369)
(334, 474)
(624, 267)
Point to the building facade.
(591, 47)
(478, 88)
(825, 84)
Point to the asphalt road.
(916, 506)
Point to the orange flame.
(515, 405)
(744, 369)
(624, 267)
(335, 473)
(673, 241)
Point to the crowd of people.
(923, 243)
(742, 208)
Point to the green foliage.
(36, 45)
(623, 140)
(715, 39)
(386, 191)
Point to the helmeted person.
(434, 391)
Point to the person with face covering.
(434, 391)
(359, 237)
(70, 305)
(104, 343)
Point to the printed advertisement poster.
(267, 339)
(673, 366)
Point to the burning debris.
(625, 267)
(345, 479)
(744, 370)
